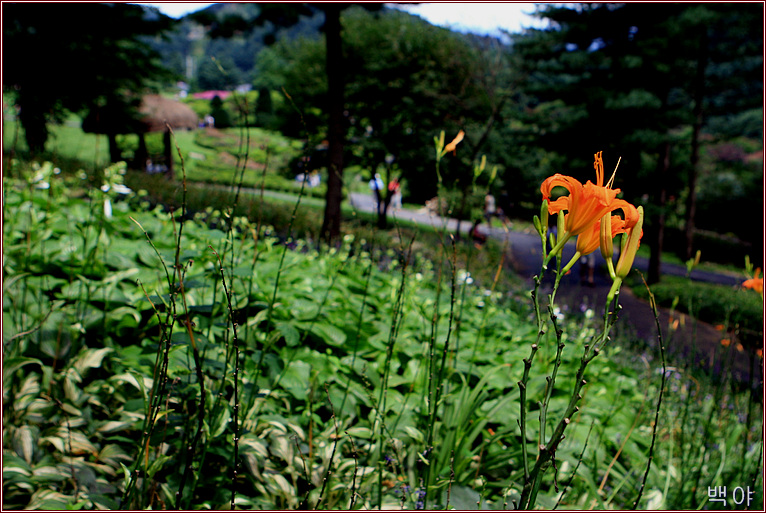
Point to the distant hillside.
(189, 50)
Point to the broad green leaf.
(24, 442)
(7, 470)
(50, 474)
(292, 337)
(295, 379)
(156, 465)
(90, 358)
(49, 500)
(11, 365)
(360, 432)
(463, 498)
(114, 425)
(330, 334)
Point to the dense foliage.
(153, 360)
(93, 53)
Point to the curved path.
(691, 341)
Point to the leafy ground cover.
(197, 360)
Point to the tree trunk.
(114, 150)
(335, 136)
(385, 202)
(32, 118)
(699, 96)
(657, 230)
(142, 153)
(168, 154)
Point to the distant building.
(209, 95)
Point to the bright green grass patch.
(67, 144)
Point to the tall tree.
(336, 125)
(77, 56)
(617, 77)
(406, 81)
(285, 15)
(726, 54)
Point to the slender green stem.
(659, 399)
(235, 413)
(551, 380)
(547, 450)
(440, 377)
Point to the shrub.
(714, 304)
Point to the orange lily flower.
(755, 282)
(589, 240)
(451, 147)
(600, 234)
(586, 204)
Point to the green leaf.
(295, 379)
(48, 474)
(157, 465)
(48, 500)
(90, 358)
(330, 334)
(11, 365)
(114, 425)
(463, 498)
(288, 331)
(24, 442)
(126, 476)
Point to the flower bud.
(628, 254)
(607, 245)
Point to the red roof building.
(209, 95)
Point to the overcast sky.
(482, 18)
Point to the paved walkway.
(691, 342)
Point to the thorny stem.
(334, 448)
(441, 368)
(393, 333)
(547, 450)
(659, 399)
(551, 380)
(235, 416)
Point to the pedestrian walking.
(490, 207)
(395, 190)
(376, 185)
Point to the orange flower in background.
(451, 147)
(587, 203)
(755, 282)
